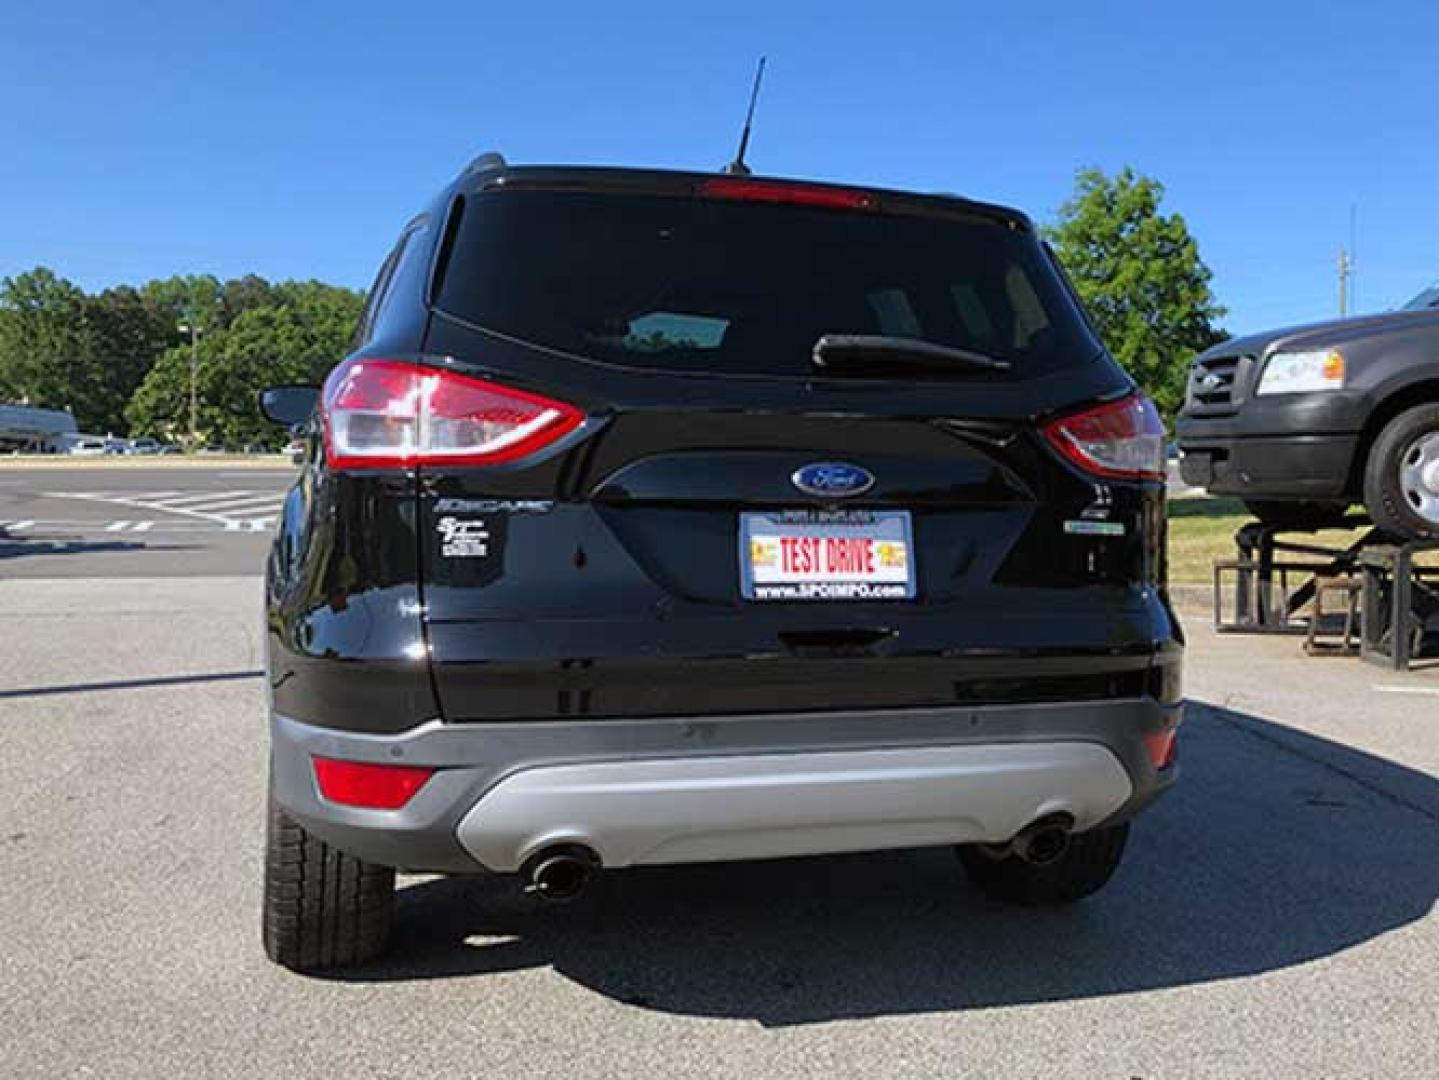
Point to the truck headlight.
(1301, 372)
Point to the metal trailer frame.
(1263, 600)
(1399, 600)
(1267, 592)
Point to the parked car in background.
(89, 446)
(143, 446)
(1303, 422)
(672, 517)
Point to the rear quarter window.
(401, 293)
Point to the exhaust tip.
(1044, 841)
(560, 873)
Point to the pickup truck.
(1303, 422)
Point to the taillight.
(834, 198)
(1160, 746)
(1123, 440)
(382, 414)
(373, 787)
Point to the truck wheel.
(1085, 865)
(1296, 515)
(322, 908)
(1401, 477)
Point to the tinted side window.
(405, 289)
(365, 331)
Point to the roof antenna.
(737, 167)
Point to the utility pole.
(1348, 290)
(193, 329)
(1346, 270)
(1353, 289)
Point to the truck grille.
(1217, 384)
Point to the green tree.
(194, 299)
(239, 295)
(295, 339)
(129, 334)
(48, 347)
(1141, 278)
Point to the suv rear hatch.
(621, 569)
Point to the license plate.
(827, 555)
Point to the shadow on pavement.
(15, 547)
(129, 684)
(1276, 848)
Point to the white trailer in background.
(27, 430)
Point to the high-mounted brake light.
(1122, 440)
(385, 414)
(373, 787)
(834, 198)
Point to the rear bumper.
(687, 790)
(711, 809)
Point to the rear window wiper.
(836, 351)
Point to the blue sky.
(294, 139)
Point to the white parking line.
(232, 503)
(219, 507)
(1429, 691)
(194, 499)
(243, 526)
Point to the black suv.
(665, 517)
(1304, 421)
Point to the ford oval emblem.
(833, 480)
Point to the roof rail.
(489, 160)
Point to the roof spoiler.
(489, 161)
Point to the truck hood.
(1331, 332)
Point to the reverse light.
(834, 198)
(372, 787)
(1302, 372)
(384, 414)
(1121, 440)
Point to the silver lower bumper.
(707, 809)
(681, 789)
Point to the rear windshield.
(710, 285)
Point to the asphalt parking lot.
(138, 517)
(1275, 915)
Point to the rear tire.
(322, 908)
(1400, 489)
(1088, 862)
(1298, 514)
